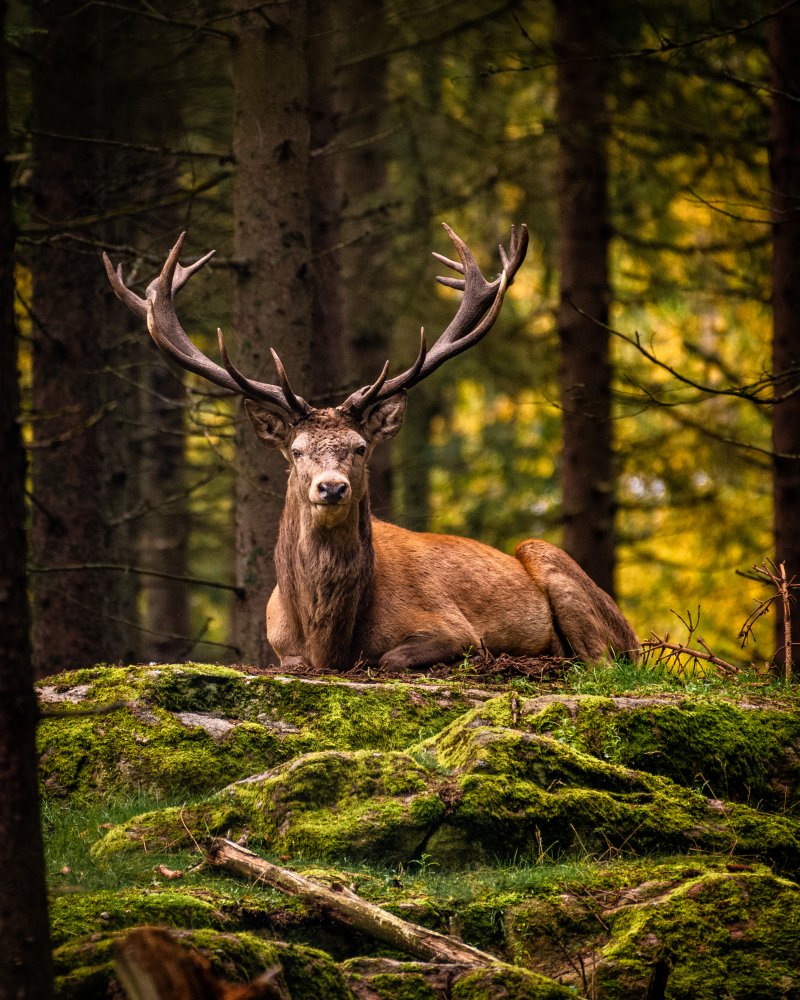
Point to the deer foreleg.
(424, 649)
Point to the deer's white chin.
(328, 515)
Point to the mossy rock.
(358, 805)
(84, 915)
(516, 790)
(494, 793)
(737, 749)
(692, 934)
(387, 979)
(85, 970)
(440, 778)
(191, 729)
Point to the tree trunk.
(164, 536)
(273, 294)
(348, 177)
(25, 962)
(784, 159)
(587, 475)
(327, 113)
(83, 463)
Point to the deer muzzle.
(329, 489)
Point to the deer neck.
(325, 577)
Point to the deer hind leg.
(588, 623)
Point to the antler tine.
(358, 401)
(370, 392)
(168, 334)
(124, 294)
(298, 404)
(475, 316)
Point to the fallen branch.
(344, 905)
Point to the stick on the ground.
(346, 906)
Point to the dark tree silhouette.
(587, 477)
(25, 964)
(784, 149)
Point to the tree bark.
(273, 284)
(164, 535)
(784, 161)
(348, 177)
(83, 467)
(327, 114)
(587, 474)
(343, 904)
(25, 960)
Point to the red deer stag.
(352, 587)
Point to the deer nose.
(332, 491)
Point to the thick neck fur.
(325, 577)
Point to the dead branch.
(769, 573)
(680, 656)
(344, 905)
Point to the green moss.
(416, 776)
(97, 913)
(723, 934)
(505, 981)
(512, 793)
(261, 721)
(402, 986)
(327, 805)
(739, 750)
(84, 971)
(710, 931)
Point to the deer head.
(327, 449)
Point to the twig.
(675, 651)
(140, 571)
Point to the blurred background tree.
(324, 200)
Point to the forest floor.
(592, 831)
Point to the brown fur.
(351, 587)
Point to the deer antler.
(476, 314)
(158, 309)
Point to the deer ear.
(270, 426)
(385, 419)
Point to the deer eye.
(297, 453)
(361, 449)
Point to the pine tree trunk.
(348, 177)
(327, 119)
(25, 962)
(83, 468)
(784, 148)
(273, 294)
(164, 534)
(587, 474)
